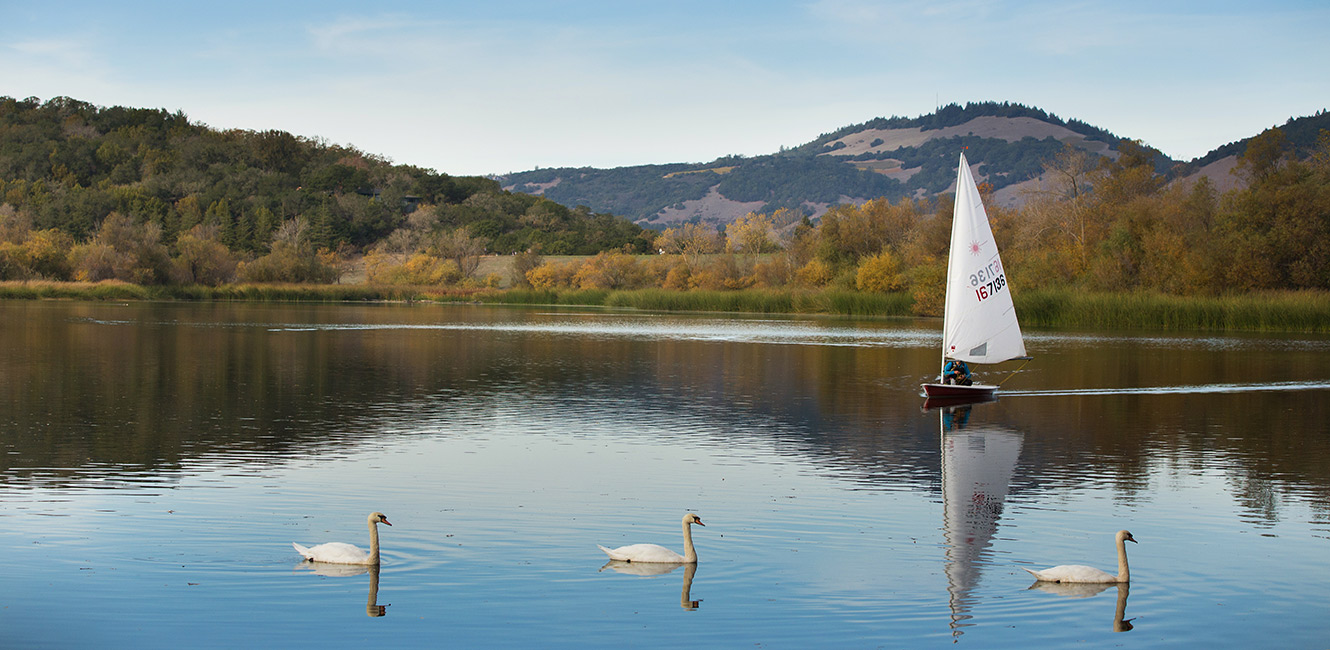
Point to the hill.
(66, 164)
(885, 157)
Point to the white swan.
(656, 553)
(1078, 573)
(343, 553)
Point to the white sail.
(979, 321)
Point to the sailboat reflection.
(649, 569)
(372, 606)
(1087, 590)
(977, 466)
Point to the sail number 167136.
(990, 288)
(988, 281)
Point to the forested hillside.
(1009, 144)
(65, 165)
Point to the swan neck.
(1124, 575)
(373, 542)
(689, 553)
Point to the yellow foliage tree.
(552, 275)
(816, 273)
(608, 271)
(879, 274)
(420, 269)
(751, 235)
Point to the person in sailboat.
(956, 372)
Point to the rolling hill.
(885, 157)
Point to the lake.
(159, 459)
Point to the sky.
(498, 86)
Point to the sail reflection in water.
(372, 607)
(977, 466)
(651, 569)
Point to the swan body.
(343, 553)
(1085, 574)
(654, 553)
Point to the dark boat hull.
(975, 391)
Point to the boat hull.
(974, 391)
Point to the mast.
(946, 296)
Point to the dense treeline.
(149, 184)
(1102, 226)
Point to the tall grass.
(23, 290)
(752, 301)
(1301, 311)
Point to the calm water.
(156, 462)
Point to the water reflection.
(650, 569)
(977, 467)
(139, 393)
(372, 606)
(1088, 590)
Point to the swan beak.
(699, 523)
(1131, 539)
(385, 520)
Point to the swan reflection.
(650, 569)
(1088, 590)
(372, 606)
(978, 462)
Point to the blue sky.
(506, 85)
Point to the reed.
(36, 290)
(750, 301)
(856, 303)
(1295, 311)
(1300, 311)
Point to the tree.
(692, 240)
(523, 263)
(751, 235)
(459, 246)
(292, 258)
(123, 250)
(879, 274)
(1263, 156)
(201, 259)
(1064, 207)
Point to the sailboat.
(979, 320)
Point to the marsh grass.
(1301, 311)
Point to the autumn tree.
(459, 246)
(879, 274)
(123, 250)
(524, 262)
(692, 240)
(1277, 231)
(201, 259)
(1060, 213)
(751, 235)
(292, 258)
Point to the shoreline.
(1292, 311)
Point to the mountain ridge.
(892, 157)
